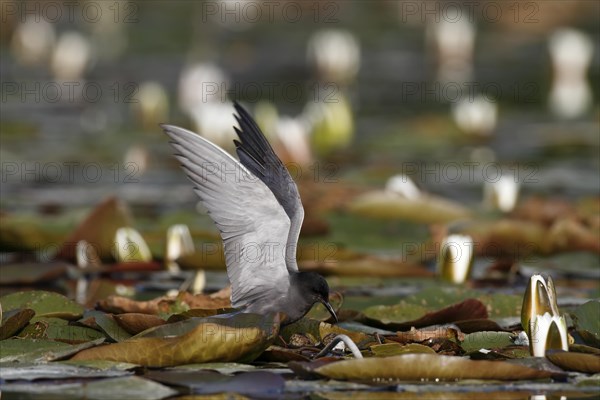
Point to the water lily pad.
(426, 366)
(587, 322)
(580, 362)
(37, 350)
(406, 315)
(130, 387)
(107, 323)
(134, 323)
(426, 209)
(32, 372)
(253, 383)
(394, 349)
(486, 340)
(14, 322)
(58, 329)
(45, 304)
(241, 337)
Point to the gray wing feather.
(253, 225)
(257, 155)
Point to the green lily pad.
(486, 340)
(108, 325)
(587, 322)
(394, 349)
(38, 350)
(45, 304)
(130, 387)
(58, 329)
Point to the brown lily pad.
(164, 304)
(239, 338)
(135, 323)
(15, 322)
(580, 362)
(415, 367)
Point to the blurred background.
(479, 104)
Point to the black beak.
(329, 308)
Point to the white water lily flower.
(548, 332)
(130, 246)
(571, 52)
(335, 54)
(476, 116)
(540, 297)
(179, 243)
(501, 194)
(404, 186)
(456, 258)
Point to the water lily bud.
(335, 55)
(199, 282)
(501, 194)
(548, 332)
(130, 246)
(403, 186)
(476, 116)
(179, 243)
(86, 255)
(71, 56)
(540, 298)
(332, 124)
(456, 258)
(152, 106)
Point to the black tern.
(255, 205)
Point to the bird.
(255, 204)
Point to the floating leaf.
(486, 340)
(426, 366)
(425, 209)
(107, 323)
(130, 388)
(394, 349)
(402, 316)
(58, 329)
(15, 322)
(165, 305)
(580, 362)
(134, 323)
(241, 337)
(36, 350)
(254, 383)
(45, 304)
(421, 335)
(283, 355)
(56, 370)
(587, 322)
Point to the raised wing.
(257, 155)
(253, 225)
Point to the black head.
(314, 288)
